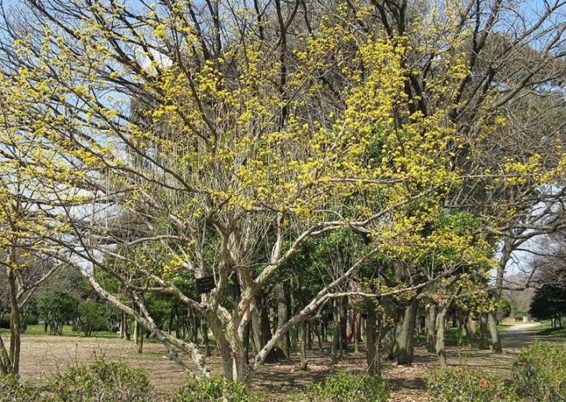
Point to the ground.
(44, 355)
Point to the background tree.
(57, 309)
(549, 298)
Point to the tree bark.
(246, 340)
(493, 331)
(343, 327)
(205, 339)
(15, 323)
(484, 344)
(336, 334)
(405, 337)
(5, 364)
(431, 328)
(141, 334)
(371, 349)
(440, 328)
(304, 334)
(265, 327)
(256, 329)
(282, 316)
(471, 332)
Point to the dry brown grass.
(43, 356)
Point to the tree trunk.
(265, 327)
(5, 364)
(229, 366)
(141, 333)
(122, 319)
(471, 332)
(356, 333)
(343, 327)
(172, 315)
(205, 339)
(336, 334)
(495, 339)
(405, 337)
(15, 323)
(283, 316)
(484, 344)
(247, 343)
(256, 329)
(371, 349)
(440, 328)
(304, 334)
(431, 328)
(507, 250)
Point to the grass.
(503, 326)
(38, 330)
(557, 332)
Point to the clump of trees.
(57, 309)
(313, 163)
(549, 298)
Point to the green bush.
(540, 372)
(344, 387)
(213, 390)
(13, 391)
(102, 381)
(464, 385)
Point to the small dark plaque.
(205, 284)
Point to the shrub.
(102, 381)
(11, 390)
(464, 385)
(213, 390)
(540, 372)
(344, 387)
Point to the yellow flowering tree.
(226, 136)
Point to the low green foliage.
(344, 387)
(540, 372)
(13, 391)
(102, 381)
(464, 385)
(215, 390)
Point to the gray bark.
(440, 328)
(431, 328)
(405, 342)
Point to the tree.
(231, 136)
(57, 309)
(549, 298)
(90, 318)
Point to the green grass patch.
(504, 327)
(558, 332)
(38, 330)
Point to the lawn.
(39, 330)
